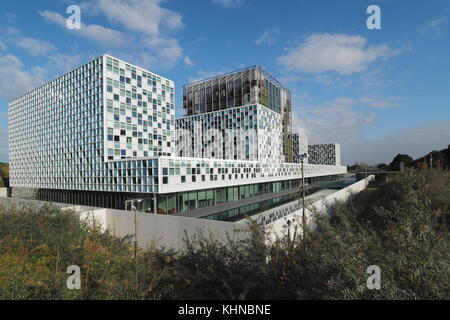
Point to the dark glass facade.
(252, 209)
(186, 201)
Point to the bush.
(400, 227)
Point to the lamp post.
(133, 207)
(302, 160)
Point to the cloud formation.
(146, 34)
(342, 121)
(228, 3)
(333, 121)
(268, 37)
(148, 17)
(35, 47)
(16, 80)
(93, 32)
(416, 141)
(382, 103)
(341, 53)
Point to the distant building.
(325, 154)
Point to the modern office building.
(325, 154)
(105, 133)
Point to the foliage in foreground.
(400, 227)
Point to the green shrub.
(399, 227)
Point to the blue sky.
(377, 92)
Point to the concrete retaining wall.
(294, 220)
(162, 230)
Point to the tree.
(4, 170)
(447, 156)
(399, 158)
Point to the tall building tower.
(64, 133)
(226, 100)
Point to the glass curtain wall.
(187, 201)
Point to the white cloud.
(341, 121)
(152, 24)
(10, 17)
(334, 121)
(228, 3)
(344, 54)
(16, 81)
(434, 26)
(148, 17)
(12, 31)
(2, 46)
(93, 32)
(382, 103)
(35, 46)
(415, 141)
(434, 23)
(268, 36)
(188, 61)
(65, 62)
(146, 37)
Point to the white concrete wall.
(161, 230)
(280, 227)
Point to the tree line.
(436, 159)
